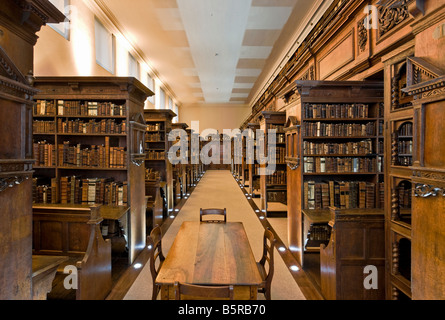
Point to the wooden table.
(211, 254)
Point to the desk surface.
(210, 254)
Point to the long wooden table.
(213, 254)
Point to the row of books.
(110, 126)
(277, 196)
(321, 129)
(277, 127)
(342, 111)
(347, 148)
(77, 190)
(406, 129)
(44, 154)
(151, 174)
(77, 108)
(342, 194)
(44, 108)
(39, 126)
(278, 177)
(154, 127)
(405, 147)
(404, 196)
(317, 234)
(154, 137)
(155, 155)
(280, 155)
(380, 127)
(101, 156)
(405, 161)
(381, 147)
(339, 165)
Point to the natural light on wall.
(122, 49)
(133, 67)
(82, 41)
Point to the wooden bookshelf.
(190, 167)
(20, 24)
(253, 168)
(238, 154)
(273, 185)
(399, 117)
(159, 125)
(333, 133)
(179, 170)
(92, 153)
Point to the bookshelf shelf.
(90, 117)
(274, 195)
(338, 173)
(117, 180)
(159, 125)
(334, 135)
(339, 119)
(92, 134)
(339, 137)
(92, 168)
(339, 155)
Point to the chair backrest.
(267, 260)
(205, 212)
(156, 256)
(204, 292)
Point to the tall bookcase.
(254, 174)
(399, 149)
(88, 144)
(20, 22)
(179, 170)
(334, 134)
(273, 187)
(159, 125)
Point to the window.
(162, 99)
(170, 103)
(151, 86)
(62, 28)
(133, 66)
(176, 110)
(105, 47)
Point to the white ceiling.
(213, 51)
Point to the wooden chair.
(204, 292)
(205, 212)
(156, 256)
(266, 264)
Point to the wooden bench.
(44, 270)
(74, 231)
